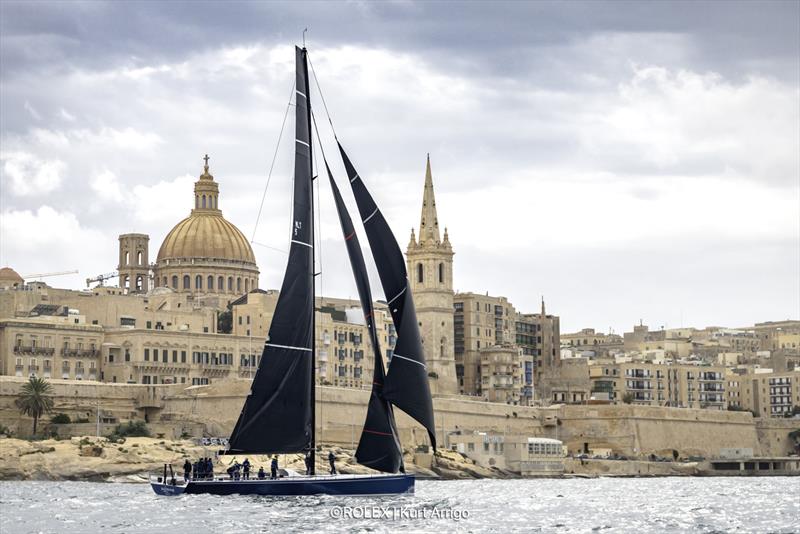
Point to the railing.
(30, 349)
(80, 352)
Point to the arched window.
(174, 281)
(204, 201)
(139, 258)
(239, 284)
(127, 258)
(210, 283)
(246, 285)
(196, 202)
(139, 283)
(198, 282)
(165, 282)
(126, 282)
(441, 273)
(220, 283)
(419, 273)
(187, 282)
(230, 283)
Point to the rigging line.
(318, 231)
(324, 104)
(270, 247)
(272, 165)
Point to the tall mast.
(313, 451)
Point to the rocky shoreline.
(95, 459)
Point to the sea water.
(677, 504)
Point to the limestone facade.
(768, 394)
(480, 321)
(430, 270)
(682, 386)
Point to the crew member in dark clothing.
(261, 474)
(308, 463)
(209, 470)
(246, 469)
(274, 468)
(332, 460)
(187, 469)
(196, 470)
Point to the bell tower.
(430, 269)
(134, 265)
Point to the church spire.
(429, 223)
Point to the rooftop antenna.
(304, 36)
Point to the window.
(183, 356)
(419, 273)
(210, 283)
(230, 283)
(246, 285)
(187, 282)
(174, 356)
(127, 355)
(198, 282)
(220, 283)
(174, 282)
(139, 258)
(441, 273)
(239, 284)
(164, 355)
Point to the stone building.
(539, 335)
(683, 386)
(480, 321)
(501, 373)
(430, 270)
(766, 394)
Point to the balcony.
(84, 353)
(30, 349)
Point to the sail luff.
(406, 385)
(278, 414)
(379, 446)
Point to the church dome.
(206, 236)
(204, 253)
(10, 278)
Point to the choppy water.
(606, 504)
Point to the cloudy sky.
(627, 160)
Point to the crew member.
(274, 468)
(332, 460)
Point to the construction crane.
(45, 275)
(100, 278)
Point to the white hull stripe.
(301, 94)
(371, 215)
(286, 347)
(409, 359)
(354, 178)
(395, 297)
(302, 142)
(301, 243)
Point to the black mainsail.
(278, 415)
(379, 446)
(406, 385)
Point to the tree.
(627, 398)
(35, 399)
(225, 322)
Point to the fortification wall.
(629, 430)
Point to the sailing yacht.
(278, 414)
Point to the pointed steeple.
(543, 312)
(429, 223)
(413, 242)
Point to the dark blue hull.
(323, 485)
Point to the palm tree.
(34, 399)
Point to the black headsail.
(379, 446)
(406, 385)
(278, 415)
